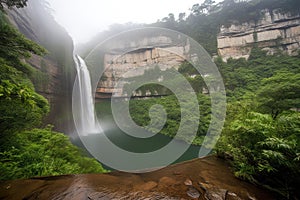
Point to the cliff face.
(274, 31)
(56, 69)
(142, 55)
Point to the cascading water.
(85, 119)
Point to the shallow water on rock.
(208, 178)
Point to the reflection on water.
(129, 143)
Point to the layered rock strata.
(142, 55)
(274, 31)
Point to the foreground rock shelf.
(205, 179)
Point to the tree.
(279, 92)
(12, 3)
(195, 10)
(181, 17)
(169, 22)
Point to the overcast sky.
(85, 18)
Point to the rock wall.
(274, 31)
(142, 55)
(56, 68)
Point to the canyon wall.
(274, 31)
(142, 55)
(55, 71)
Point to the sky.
(83, 19)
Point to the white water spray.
(85, 119)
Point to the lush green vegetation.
(43, 152)
(24, 151)
(21, 107)
(261, 137)
(139, 110)
(152, 74)
(173, 81)
(261, 133)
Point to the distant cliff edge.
(274, 31)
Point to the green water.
(129, 143)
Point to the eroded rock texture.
(205, 179)
(274, 31)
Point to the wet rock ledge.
(206, 178)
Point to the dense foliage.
(24, 152)
(174, 108)
(204, 20)
(11, 3)
(261, 137)
(21, 107)
(42, 152)
(139, 110)
(261, 133)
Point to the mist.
(85, 18)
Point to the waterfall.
(85, 120)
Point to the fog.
(85, 18)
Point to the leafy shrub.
(43, 152)
(262, 130)
(139, 112)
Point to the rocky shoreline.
(205, 178)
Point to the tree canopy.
(12, 3)
(280, 92)
(261, 137)
(26, 151)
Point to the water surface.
(129, 143)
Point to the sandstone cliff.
(56, 68)
(141, 55)
(275, 30)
